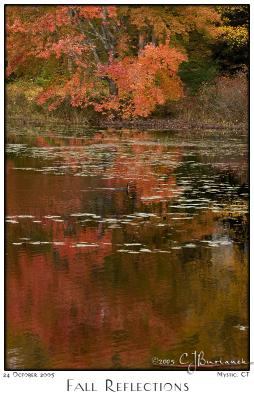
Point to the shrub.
(224, 101)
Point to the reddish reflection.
(91, 307)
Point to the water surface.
(123, 246)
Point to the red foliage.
(139, 80)
(98, 63)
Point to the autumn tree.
(121, 60)
(232, 48)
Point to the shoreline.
(177, 125)
(149, 124)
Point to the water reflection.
(122, 246)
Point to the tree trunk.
(141, 41)
(113, 89)
(70, 66)
(153, 39)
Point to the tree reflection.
(99, 279)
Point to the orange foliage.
(100, 64)
(138, 80)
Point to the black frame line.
(155, 370)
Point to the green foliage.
(196, 71)
(200, 67)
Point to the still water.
(125, 247)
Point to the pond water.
(124, 248)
